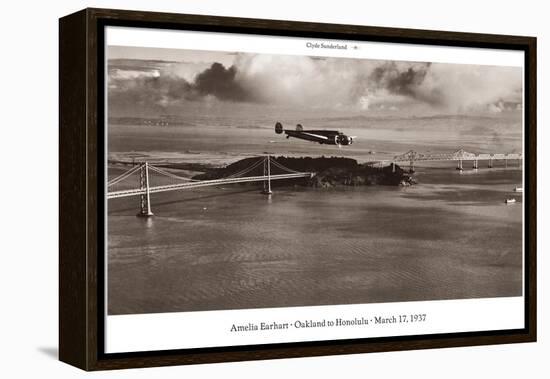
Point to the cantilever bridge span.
(459, 156)
(172, 182)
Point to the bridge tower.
(267, 172)
(144, 198)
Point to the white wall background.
(28, 188)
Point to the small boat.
(510, 201)
(518, 189)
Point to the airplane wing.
(309, 136)
(315, 135)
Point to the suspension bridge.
(152, 179)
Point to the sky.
(152, 82)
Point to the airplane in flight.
(327, 137)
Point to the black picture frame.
(81, 195)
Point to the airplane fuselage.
(327, 137)
(324, 137)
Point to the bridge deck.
(454, 157)
(205, 183)
(448, 157)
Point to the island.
(329, 172)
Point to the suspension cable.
(246, 170)
(123, 176)
(174, 176)
(169, 174)
(277, 164)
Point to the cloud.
(221, 83)
(400, 78)
(451, 87)
(146, 92)
(462, 88)
(300, 82)
(155, 89)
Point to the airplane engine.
(346, 140)
(278, 128)
(299, 127)
(343, 140)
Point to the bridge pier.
(393, 167)
(267, 172)
(490, 162)
(459, 165)
(144, 199)
(475, 165)
(411, 167)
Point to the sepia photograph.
(242, 180)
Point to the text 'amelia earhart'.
(331, 323)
